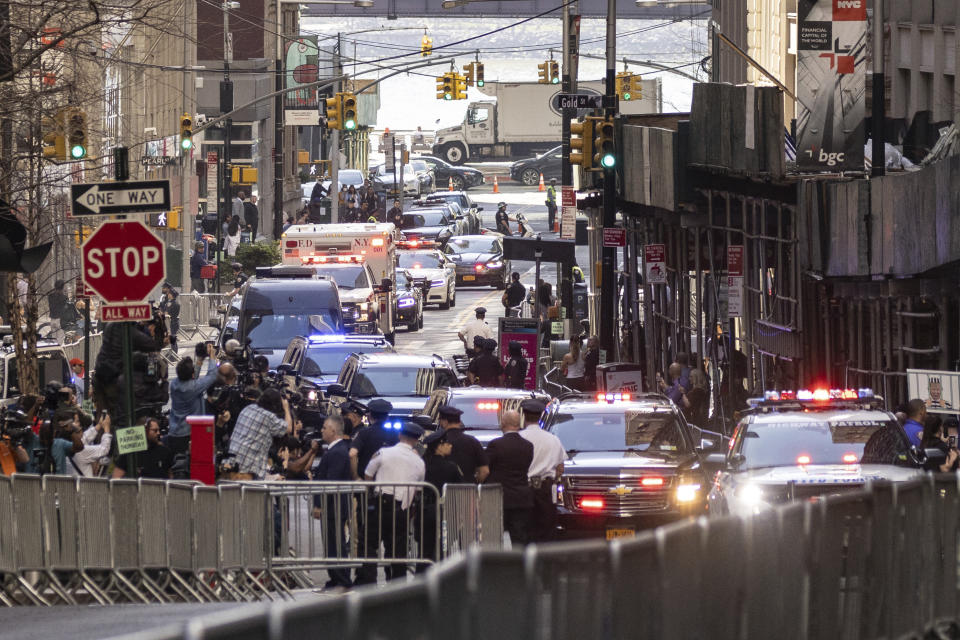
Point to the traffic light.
(334, 111)
(478, 73)
(554, 72)
(77, 133)
(447, 85)
(54, 140)
(636, 87)
(543, 72)
(604, 151)
(348, 105)
(426, 45)
(468, 74)
(14, 255)
(441, 87)
(581, 147)
(625, 85)
(186, 132)
(459, 87)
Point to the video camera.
(14, 425)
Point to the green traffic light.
(626, 96)
(350, 125)
(448, 96)
(77, 151)
(479, 83)
(555, 80)
(608, 161)
(186, 143)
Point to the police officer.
(547, 465)
(439, 470)
(395, 215)
(510, 458)
(485, 369)
(352, 413)
(397, 464)
(476, 327)
(239, 278)
(362, 449)
(502, 219)
(467, 452)
(551, 203)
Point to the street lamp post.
(226, 106)
(608, 255)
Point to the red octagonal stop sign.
(123, 261)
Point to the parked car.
(347, 177)
(471, 212)
(425, 172)
(427, 225)
(413, 183)
(453, 212)
(461, 178)
(528, 171)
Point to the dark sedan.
(461, 178)
(409, 309)
(471, 212)
(528, 171)
(428, 225)
(479, 260)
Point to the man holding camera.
(256, 428)
(186, 396)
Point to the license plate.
(465, 278)
(627, 532)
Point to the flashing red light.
(601, 397)
(478, 267)
(803, 459)
(592, 504)
(416, 266)
(291, 244)
(488, 406)
(821, 395)
(849, 394)
(625, 397)
(651, 481)
(850, 458)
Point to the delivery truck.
(521, 119)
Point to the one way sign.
(110, 198)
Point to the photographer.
(934, 437)
(256, 427)
(186, 396)
(96, 445)
(59, 438)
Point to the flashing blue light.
(406, 302)
(394, 425)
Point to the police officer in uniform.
(510, 457)
(439, 470)
(352, 413)
(467, 452)
(362, 449)
(485, 369)
(395, 215)
(502, 219)
(547, 465)
(399, 463)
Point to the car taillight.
(488, 406)
(592, 504)
(803, 459)
(651, 481)
(849, 458)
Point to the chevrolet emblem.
(621, 490)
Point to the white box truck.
(522, 120)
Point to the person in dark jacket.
(395, 215)
(515, 371)
(197, 260)
(467, 453)
(170, 306)
(332, 508)
(251, 216)
(510, 458)
(440, 470)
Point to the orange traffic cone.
(496, 185)
(541, 187)
(450, 182)
(556, 225)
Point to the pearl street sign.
(111, 198)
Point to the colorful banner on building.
(831, 84)
(301, 66)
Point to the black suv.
(311, 364)
(481, 406)
(406, 381)
(632, 463)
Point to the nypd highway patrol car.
(806, 444)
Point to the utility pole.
(879, 95)
(226, 106)
(278, 130)
(187, 216)
(608, 338)
(334, 145)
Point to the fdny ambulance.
(361, 259)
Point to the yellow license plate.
(620, 533)
(465, 278)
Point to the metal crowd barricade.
(8, 555)
(58, 504)
(96, 544)
(125, 528)
(472, 514)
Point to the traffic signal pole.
(608, 255)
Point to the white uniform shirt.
(476, 327)
(548, 452)
(90, 453)
(399, 463)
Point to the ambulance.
(361, 259)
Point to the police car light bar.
(817, 395)
(332, 259)
(613, 397)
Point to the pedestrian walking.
(170, 307)
(197, 262)
(231, 237)
(251, 216)
(573, 366)
(510, 458)
(397, 464)
(334, 509)
(467, 452)
(514, 296)
(545, 470)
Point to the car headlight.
(750, 494)
(496, 264)
(312, 396)
(687, 492)
(364, 306)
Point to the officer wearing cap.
(239, 278)
(547, 465)
(439, 471)
(397, 464)
(352, 413)
(476, 327)
(364, 446)
(485, 369)
(467, 453)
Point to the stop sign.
(123, 261)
